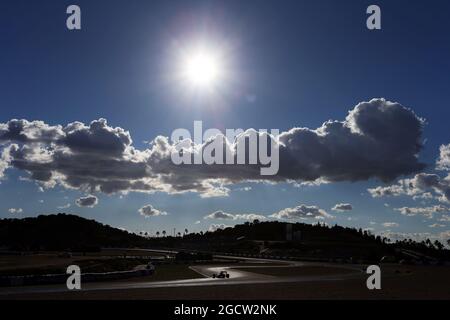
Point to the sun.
(202, 68)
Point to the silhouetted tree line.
(69, 232)
(63, 232)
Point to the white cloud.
(390, 224)
(229, 216)
(342, 207)
(15, 210)
(425, 211)
(419, 187)
(445, 235)
(424, 196)
(437, 225)
(4, 163)
(150, 211)
(244, 189)
(399, 236)
(443, 163)
(301, 212)
(66, 206)
(219, 215)
(215, 227)
(89, 201)
(377, 139)
(418, 236)
(249, 216)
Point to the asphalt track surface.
(238, 276)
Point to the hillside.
(70, 232)
(308, 241)
(62, 232)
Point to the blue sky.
(291, 64)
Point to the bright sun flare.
(202, 69)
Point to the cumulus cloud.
(219, 215)
(425, 211)
(390, 224)
(4, 164)
(228, 216)
(445, 235)
(342, 207)
(443, 163)
(89, 201)
(15, 210)
(66, 206)
(301, 212)
(423, 196)
(150, 211)
(249, 216)
(378, 139)
(214, 227)
(244, 189)
(418, 187)
(420, 236)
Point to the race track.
(238, 276)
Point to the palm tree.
(179, 234)
(438, 245)
(185, 231)
(164, 233)
(157, 234)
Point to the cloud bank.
(301, 212)
(220, 215)
(377, 139)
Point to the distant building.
(289, 232)
(297, 236)
(292, 235)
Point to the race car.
(221, 275)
